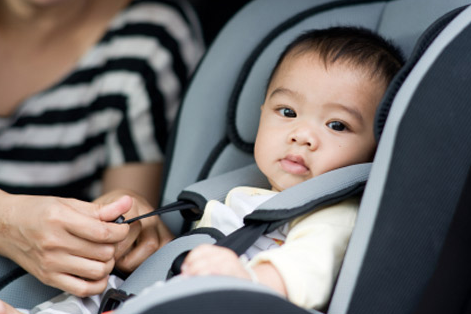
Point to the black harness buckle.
(112, 300)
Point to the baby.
(317, 116)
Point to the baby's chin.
(286, 185)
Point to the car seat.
(409, 252)
(397, 255)
(415, 190)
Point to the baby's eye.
(337, 126)
(287, 112)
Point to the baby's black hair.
(357, 45)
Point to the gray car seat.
(397, 257)
(413, 182)
(409, 252)
(217, 126)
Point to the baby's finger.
(201, 251)
(201, 267)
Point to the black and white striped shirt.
(114, 108)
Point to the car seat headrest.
(218, 120)
(249, 89)
(422, 44)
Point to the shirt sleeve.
(149, 54)
(310, 259)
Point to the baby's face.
(315, 119)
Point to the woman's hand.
(142, 182)
(65, 243)
(145, 237)
(7, 309)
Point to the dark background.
(213, 14)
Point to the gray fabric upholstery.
(216, 188)
(318, 187)
(26, 292)
(156, 267)
(176, 289)
(376, 189)
(211, 93)
(401, 20)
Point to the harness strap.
(306, 197)
(238, 241)
(193, 199)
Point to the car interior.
(409, 252)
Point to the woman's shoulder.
(161, 30)
(174, 16)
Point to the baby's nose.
(305, 136)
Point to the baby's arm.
(215, 260)
(304, 269)
(310, 259)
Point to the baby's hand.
(209, 259)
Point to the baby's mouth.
(294, 164)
